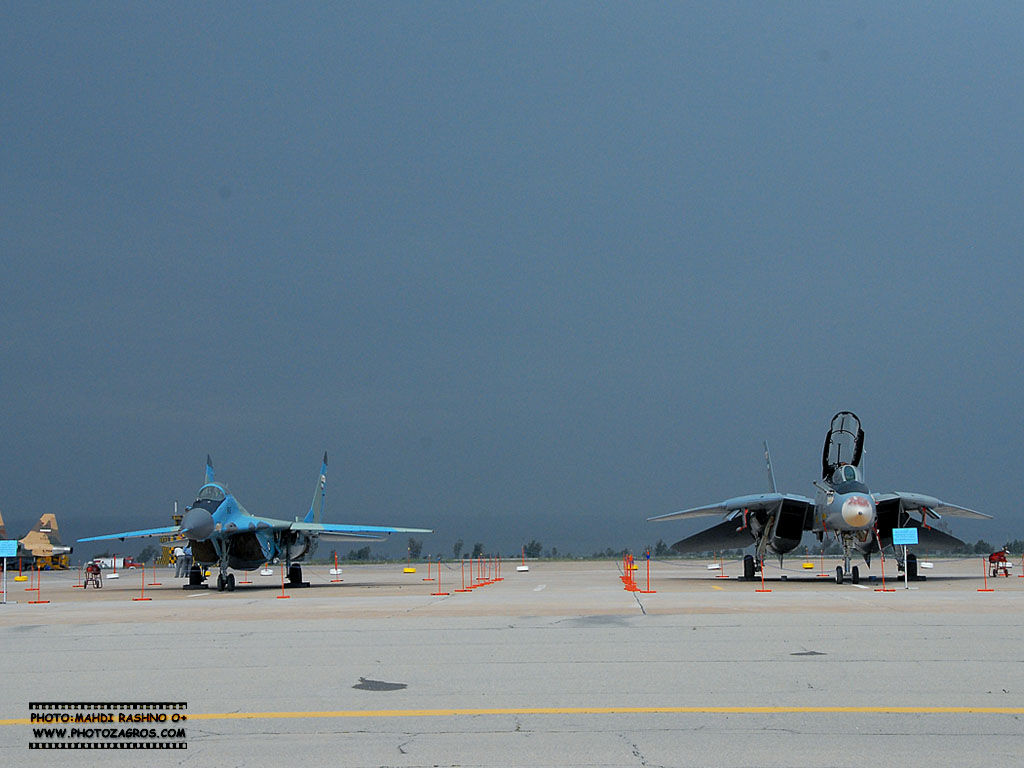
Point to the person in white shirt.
(180, 569)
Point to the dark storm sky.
(524, 270)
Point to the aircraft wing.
(144, 533)
(343, 532)
(934, 539)
(352, 536)
(729, 534)
(752, 503)
(935, 507)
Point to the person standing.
(179, 563)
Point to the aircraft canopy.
(210, 493)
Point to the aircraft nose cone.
(859, 511)
(197, 524)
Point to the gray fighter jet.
(843, 508)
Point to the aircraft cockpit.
(844, 444)
(845, 473)
(209, 498)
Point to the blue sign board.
(904, 536)
(9, 548)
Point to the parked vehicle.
(127, 563)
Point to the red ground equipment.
(93, 575)
(998, 563)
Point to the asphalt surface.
(560, 666)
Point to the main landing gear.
(749, 567)
(196, 578)
(295, 576)
(910, 566)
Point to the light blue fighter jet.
(221, 532)
(843, 508)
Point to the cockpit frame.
(845, 436)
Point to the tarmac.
(558, 666)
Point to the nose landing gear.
(854, 575)
(226, 582)
(843, 570)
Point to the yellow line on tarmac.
(398, 713)
(610, 711)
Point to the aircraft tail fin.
(48, 525)
(316, 507)
(771, 472)
(209, 470)
(42, 539)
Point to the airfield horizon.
(557, 666)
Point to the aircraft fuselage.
(843, 504)
(218, 526)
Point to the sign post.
(904, 536)
(8, 548)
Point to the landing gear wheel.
(230, 582)
(839, 574)
(748, 567)
(220, 582)
(195, 576)
(911, 566)
(295, 574)
(855, 575)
